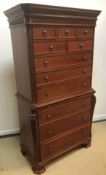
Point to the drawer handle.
(84, 117)
(83, 104)
(46, 78)
(51, 47)
(84, 71)
(49, 132)
(81, 45)
(84, 133)
(85, 31)
(48, 116)
(67, 32)
(44, 32)
(46, 93)
(84, 84)
(85, 58)
(45, 62)
(50, 149)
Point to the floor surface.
(81, 161)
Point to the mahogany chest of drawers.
(53, 57)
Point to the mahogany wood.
(53, 58)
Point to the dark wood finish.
(63, 74)
(45, 63)
(53, 57)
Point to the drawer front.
(60, 89)
(43, 32)
(65, 142)
(60, 110)
(84, 32)
(49, 47)
(80, 45)
(45, 63)
(55, 76)
(68, 32)
(62, 125)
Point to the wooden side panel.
(21, 61)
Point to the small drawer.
(68, 32)
(67, 123)
(49, 47)
(43, 33)
(65, 142)
(84, 32)
(57, 110)
(63, 74)
(50, 92)
(45, 63)
(80, 45)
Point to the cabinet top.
(27, 11)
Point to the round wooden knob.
(67, 32)
(44, 31)
(48, 116)
(81, 45)
(46, 78)
(50, 149)
(84, 71)
(50, 132)
(46, 93)
(45, 62)
(85, 58)
(84, 117)
(83, 104)
(85, 31)
(84, 84)
(51, 47)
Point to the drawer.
(57, 90)
(62, 125)
(49, 47)
(63, 74)
(45, 63)
(85, 32)
(65, 142)
(68, 32)
(43, 32)
(57, 111)
(80, 45)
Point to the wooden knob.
(83, 104)
(46, 93)
(48, 116)
(85, 58)
(84, 71)
(45, 62)
(50, 132)
(67, 32)
(51, 47)
(84, 117)
(84, 133)
(81, 45)
(50, 149)
(44, 31)
(46, 78)
(84, 84)
(85, 31)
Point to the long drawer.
(51, 62)
(56, 90)
(57, 111)
(62, 74)
(62, 125)
(65, 142)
